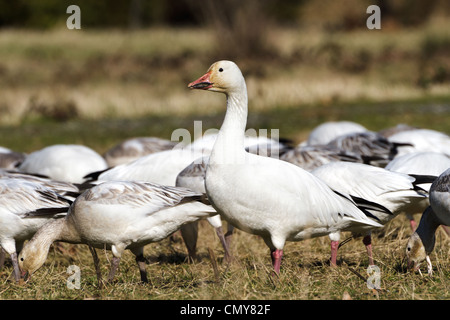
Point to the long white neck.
(229, 146)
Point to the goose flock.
(343, 178)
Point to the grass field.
(99, 87)
(305, 271)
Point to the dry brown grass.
(305, 273)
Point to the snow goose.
(66, 189)
(422, 241)
(193, 177)
(160, 167)
(264, 196)
(384, 193)
(387, 132)
(328, 131)
(69, 163)
(311, 157)
(372, 147)
(134, 148)
(10, 159)
(421, 140)
(118, 215)
(24, 207)
(420, 163)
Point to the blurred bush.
(345, 14)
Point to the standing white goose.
(422, 241)
(388, 193)
(118, 215)
(24, 207)
(264, 196)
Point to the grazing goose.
(328, 131)
(422, 241)
(134, 148)
(390, 193)
(420, 163)
(69, 163)
(118, 215)
(264, 196)
(24, 207)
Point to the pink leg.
(276, 254)
(367, 240)
(334, 249)
(413, 224)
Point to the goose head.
(31, 258)
(223, 76)
(415, 252)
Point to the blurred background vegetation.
(305, 62)
(332, 15)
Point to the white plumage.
(69, 163)
(24, 207)
(422, 140)
(118, 215)
(193, 177)
(327, 131)
(267, 197)
(393, 191)
(134, 148)
(160, 167)
(420, 163)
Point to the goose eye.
(21, 259)
(221, 69)
(409, 248)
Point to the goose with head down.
(422, 241)
(25, 206)
(264, 196)
(118, 215)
